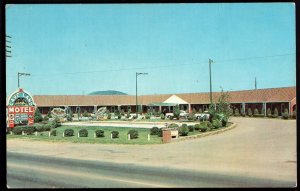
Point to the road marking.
(89, 176)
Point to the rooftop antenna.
(255, 83)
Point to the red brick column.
(166, 135)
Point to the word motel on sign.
(21, 109)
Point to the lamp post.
(21, 74)
(136, 99)
(210, 61)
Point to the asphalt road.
(30, 171)
(257, 153)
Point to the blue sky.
(77, 49)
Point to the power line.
(257, 57)
(165, 66)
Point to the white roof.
(175, 99)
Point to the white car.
(201, 115)
(182, 114)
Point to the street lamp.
(136, 99)
(21, 74)
(210, 61)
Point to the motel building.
(280, 98)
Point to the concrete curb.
(205, 134)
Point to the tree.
(49, 114)
(176, 112)
(85, 113)
(37, 116)
(222, 109)
(69, 114)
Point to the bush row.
(184, 129)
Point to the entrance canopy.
(175, 100)
(161, 104)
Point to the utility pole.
(136, 99)
(7, 47)
(210, 61)
(21, 74)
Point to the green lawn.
(123, 138)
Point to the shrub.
(17, 130)
(269, 114)
(109, 116)
(243, 114)
(255, 113)
(83, 133)
(69, 118)
(69, 132)
(128, 115)
(159, 133)
(275, 115)
(191, 128)
(115, 134)
(230, 111)
(236, 112)
(40, 128)
(47, 127)
(285, 115)
(28, 129)
(191, 117)
(209, 124)
(46, 118)
(119, 116)
(53, 132)
(99, 133)
(55, 123)
(8, 130)
(49, 114)
(85, 113)
(183, 130)
(154, 131)
(37, 116)
(134, 134)
(203, 127)
(224, 121)
(147, 116)
(162, 116)
(176, 112)
(216, 123)
(200, 110)
(173, 125)
(197, 127)
(249, 112)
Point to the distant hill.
(108, 92)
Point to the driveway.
(263, 148)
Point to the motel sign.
(20, 109)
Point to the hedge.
(99, 133)
(69, 132)
(115, 134)
(83, 133)
(154, 131)
(134, 134)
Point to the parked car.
(205, 115)
(182, 114)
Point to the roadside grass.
(123, 138)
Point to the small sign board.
(20, 108)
